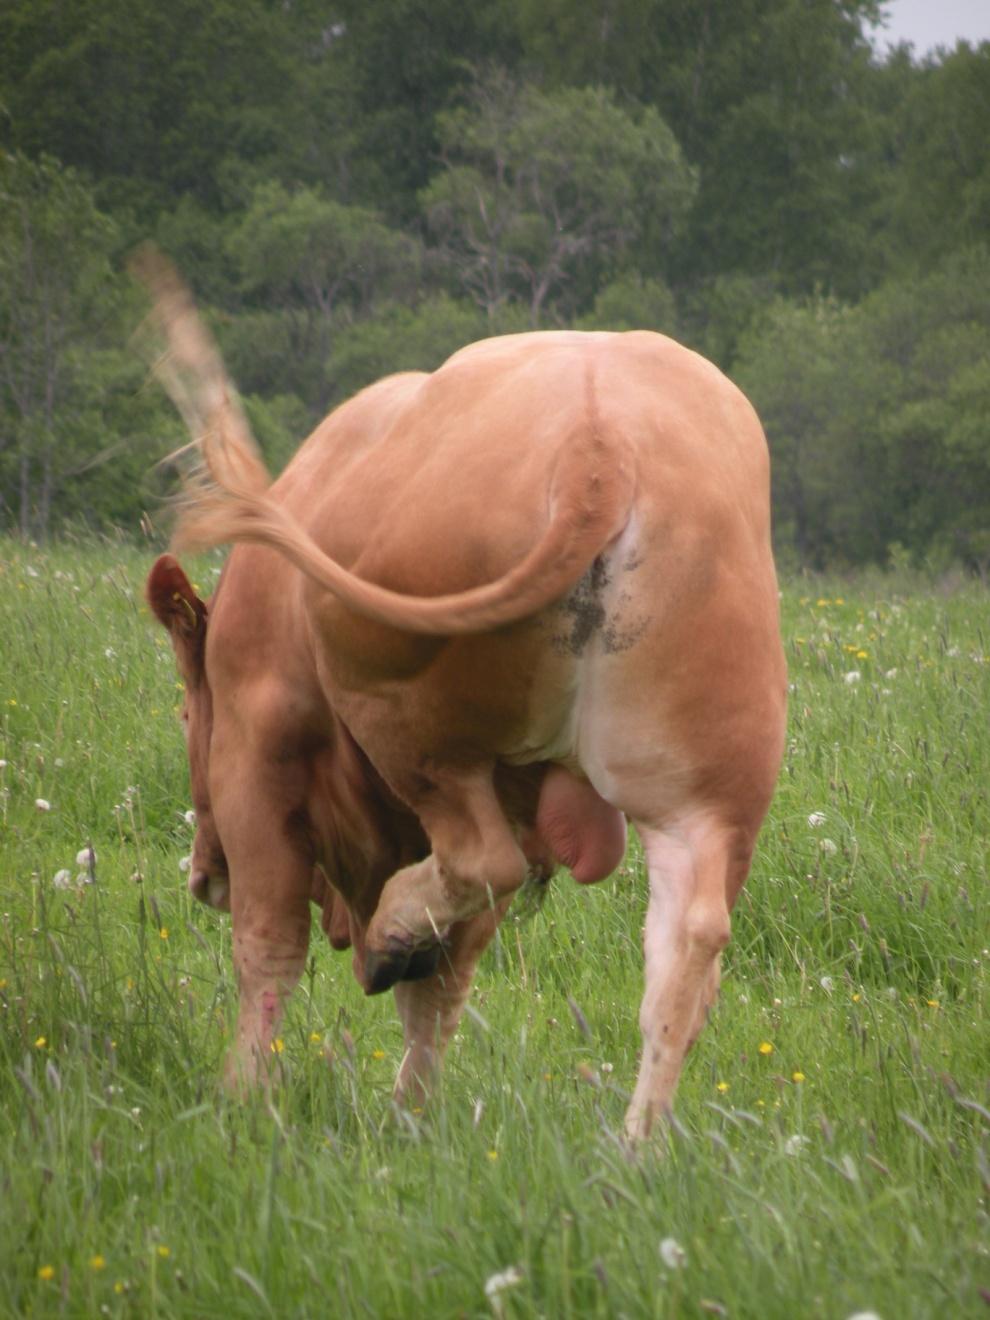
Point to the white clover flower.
(42, 804)
(829, 846)
(497, 1283)
(795, 1145)
(110, 653)
(827, 984)
(3, 764)
(673, 1254)
(816, 818)
(185, 863)
(853, 676)
(189, 817)
(62, 879)
(86, 856)
(890, 673)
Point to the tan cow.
(484, 616)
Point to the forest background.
(354, 188)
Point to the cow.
(484, 617)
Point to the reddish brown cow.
(484, 616)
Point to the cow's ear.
(176, 605)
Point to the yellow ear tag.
(178, 596)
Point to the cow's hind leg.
(475, 865)
(430, 1009)
(695, 870)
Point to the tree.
(543, 194)
(317, 265)
(938, 186)
(876, 417)
(57, 295)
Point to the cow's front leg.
(270, 883)
(431, 1009)
(475, 866)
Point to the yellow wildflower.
(277, 1045)
(722, 1086)
(315, 1037)
(856, 997)
(797, 1077)
(46, 1272)
(932, 1003)
(378, 1054)
(97, 1262)
(163, 1251)
(163, 933)
(493, 1155)
(766, 1047)
(40, 1043)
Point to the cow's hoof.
(423, 963)
(383, 970)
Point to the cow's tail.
(226, 497)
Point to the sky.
(930, 23)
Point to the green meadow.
(831, 1151)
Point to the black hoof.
(423, 964)
(382, 970)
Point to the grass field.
(832, 1149)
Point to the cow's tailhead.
(176, 605)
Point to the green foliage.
(859, 954)
(632, 303)
(894, 391)
(358, 190)
(542, 190)
(63, 376)
(403, 339)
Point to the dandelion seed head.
(42, 804)
(672, 1254)
(86, 856)
(497, 1283)
(62, 879)
(816, 818)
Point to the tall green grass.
(842, 1167)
